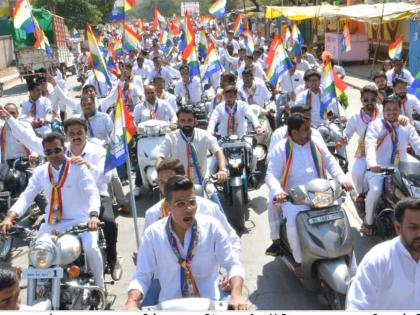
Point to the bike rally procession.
(209, 155)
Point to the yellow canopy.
(370, 13)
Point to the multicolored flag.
(22, 17)
(99, 65)
(297, 40)
(212, 63)
(218, 8)
(118, 48)
(395, 49)
(288, 39)
(41, 40)
(346, 40)
(202, 45)
(238, 26)
(340, 85)
(118, 12)
(166, 44)
(190, 52)
(111, 58)
(159, 20)
(131, 39)
(328, 93)
(124, 131)
(249, 41)
(277, 61)
(129, 5)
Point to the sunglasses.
(49, 152)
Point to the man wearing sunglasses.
(186, 251)
(73, 198)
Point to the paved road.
(269, 284)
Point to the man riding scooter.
(295, 161)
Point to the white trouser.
(290, 211)
(116, 188)
(274, 220)
(375, 183)
(89, 243)
(358, 175)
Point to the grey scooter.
(325, 239)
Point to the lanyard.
(56, 207)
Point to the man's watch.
(94, 214)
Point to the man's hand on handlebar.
(7, 224)
(347, 186)
(94, 223)
(280, 198)
(222, 176)
(375, 169)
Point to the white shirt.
(382, 156)
(13, 145)
(355, 124)
(164, 73)
(303, 65)
(143, 72)
(157, 257)
(289, 82)
(43, 111)
(405, 74)
(99, 125)
(143, 111)
(234, 43)
(302, 170)
(190, 90)
(175, 147)
(311, 60)
(79, 193)
(170, 99)
(388, 278)
(221, 115)
(316, 118)
(410, 105)
(257, 94)
(133, 95)
(259, 72)
(204, 207)
(101, 87)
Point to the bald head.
(150, 92)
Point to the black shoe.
(274, 250)
(116, 270)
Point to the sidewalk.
(8, 75)
(357, 76)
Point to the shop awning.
(370, 13)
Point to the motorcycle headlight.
(42, 254)
(235, 163)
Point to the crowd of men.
(187, 239)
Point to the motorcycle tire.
(338, 301)
(385, 224)
(238, 208)
(6, 248)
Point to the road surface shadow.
(15, 90)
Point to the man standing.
(399, 72)
(255, 92)
(189, 89)
(388, 276)
(73, 199)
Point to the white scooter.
(151, 134)
(189, 304)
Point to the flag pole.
(338, 41)
(132, 201)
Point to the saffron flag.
(159, 20)
(99, 65)
(346, 40)
(395, 49)
(327, 82)
(41, 40)
(190, 52)
(340, 85)
(131, 39)
(202, 45)
(238, 26)
(129, 5)
(22, 17)
(212, 63)
(277, 61)
(124, 131)
(218, 8)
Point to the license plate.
(49, 273)
(326, 218)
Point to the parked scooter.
(151, 134)
(58, 272)
(325, 239)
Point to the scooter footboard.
(335, 273)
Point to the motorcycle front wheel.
(238, 208)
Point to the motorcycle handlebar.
(78, 229)
(385, 170)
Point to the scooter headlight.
(42, 254)
(321, 199)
